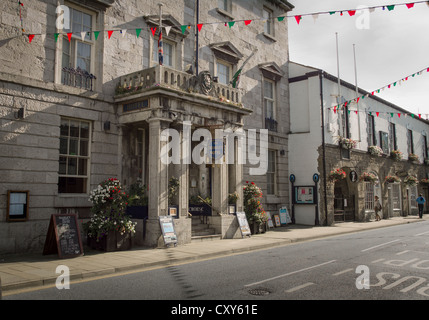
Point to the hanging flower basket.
(424, 182)
(411, 181)
(347, 143)
(337, 174)
(413, 157)
(392, 179)
(375, 151)
(368, 177)
(396, 155)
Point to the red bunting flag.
(298, 19)
(247, 22)
(420, 115)
(30, 37)
(69, 35)
(410, 5)
(352, 12)
(399, 115)
(153, 31)
(109, 33)
(377, 113)
(200, 25)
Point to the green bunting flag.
(183, 29)
(96, 33)
(390, 8)
(280, 19)
(56, 36)
(138, 32)
(231, 23)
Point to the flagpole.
(196, 36)
(357, 91)
(160, 49)
(339, 81)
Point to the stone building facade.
(317, 129)
(78, 106)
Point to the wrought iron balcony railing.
(78, 78)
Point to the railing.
(271, 124)
(78, 78)
(162, 75)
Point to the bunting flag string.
(389, 86)
(380, 113)
(230, 24)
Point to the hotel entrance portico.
(165, 125)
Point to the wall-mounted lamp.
(107, 126)
(19, 114)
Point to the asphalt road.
(388, 263)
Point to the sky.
(389, 46)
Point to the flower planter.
(113, 241)
(137, 212)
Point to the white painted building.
(316, 128)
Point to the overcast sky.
(389, 46)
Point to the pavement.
(36, 271)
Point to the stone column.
(220, 189)
(157, 182)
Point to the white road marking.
(402, 252)
(420, 234)
(378, 260)
(380, 245)
(299, 287)
(288, 274)
(344, 271)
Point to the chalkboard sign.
(167, 228)
(63, 236)
(244, 224)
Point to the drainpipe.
(323, 148)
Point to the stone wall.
(363, 162)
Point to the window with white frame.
(267, 15)
(410, 142)
(271, 172)
(369, 196)
(269, 99)
(371, 131)
(223, 5)
(413, 197)
(396, 196)
(78, 51)
(392, 138)
(168, 49)
(74, 156)
(223, 71)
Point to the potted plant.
(347, 143)
(173, 190)
(391, 179)
(424, 182)
(411, 181)
(336, 175)
(413, 157)
(375, 151)
(255, 213)
(137, 201)
(396, 155)
(232, 202)
(109, 228)
(368, 177)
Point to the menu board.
(244, 224)
(63, 236)
(284, 216)
(167, 228)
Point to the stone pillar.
(158, 171)
(220, 189)
(157, 182)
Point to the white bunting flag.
(167, 30)
(123, 32)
